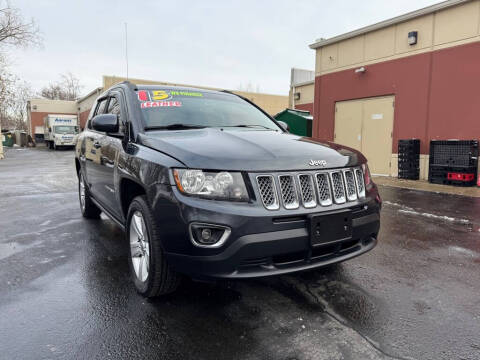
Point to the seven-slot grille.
(324, 188)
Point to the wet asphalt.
(65, 291)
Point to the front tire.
(151, 273)
(88, 208)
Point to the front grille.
(288, 191)
(268, 193)
(310, 188)
(323, 188)
(350, 185)
(307, 190)
(338, 187)
(360, 182)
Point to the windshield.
(164, 108)
(65, 129)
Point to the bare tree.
(14, 29)
(68, 88)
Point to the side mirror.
(107, 123)
(284, 125)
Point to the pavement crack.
(338, 318)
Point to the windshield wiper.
(249, 126)
(175, 127)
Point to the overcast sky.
(224, 44)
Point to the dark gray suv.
(208, 185)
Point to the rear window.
(164, 107)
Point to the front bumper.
(263, 243)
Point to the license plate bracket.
(330, 228)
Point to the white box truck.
(60, 130)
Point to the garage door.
(367, 125)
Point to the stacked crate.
(453, 162)
(409, 159)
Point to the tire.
(88, 208)
(146, 252)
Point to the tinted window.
(209, 109)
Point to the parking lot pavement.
(65, 291)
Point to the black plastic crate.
(410, 174)
(408, 141)
(454, 152)
(409, 146)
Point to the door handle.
(97, 145)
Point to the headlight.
(221, 185)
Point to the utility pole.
(126, 47)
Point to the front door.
(111, 145)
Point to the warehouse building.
(413, 76)
(37, 109)
(302, 84)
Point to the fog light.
(208, 235)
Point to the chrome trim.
(341, 199)
(329, 186)
(223, 238)
(275, 205)
(295, 204)
(313, 202)
(354, 179)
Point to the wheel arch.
(129, 190)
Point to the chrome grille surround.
(288, 191)
(323, 189)
(268, 192)
(350, 184)
(360, 182)
(338, 187)
(307, 190)
(310, 189)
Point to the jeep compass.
(208, 185)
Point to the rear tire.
(146, 252)
(88, 208)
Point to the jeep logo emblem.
(321, 163)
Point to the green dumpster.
(299, 121)
(7, 139)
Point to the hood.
(248, 150)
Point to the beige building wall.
(272, 104)
(448, 27)
(306, 91)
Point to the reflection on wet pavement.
(65, 289)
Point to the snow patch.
(437, 217)
(411, 211)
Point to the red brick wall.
(436, 94)
(307, 107)
(83, 117)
